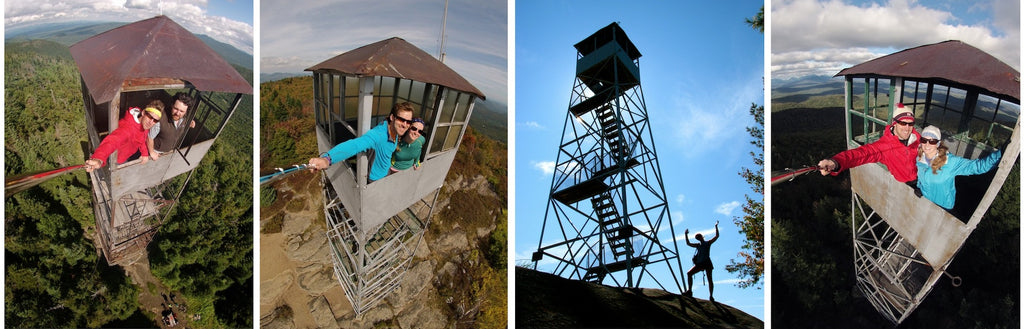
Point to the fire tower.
(128, 67)
(903, 244)
(607, 205)
(374, 228)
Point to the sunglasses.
(414, 129)
(930, 141)
(904, 123)
(402, 119)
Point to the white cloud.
(728, 281)
(677, 218)
(701, 128)
(727, 208)
(707, 233)
(680, 198)
(312, 31)
(821, 37)
(533, 124)
(545, 167)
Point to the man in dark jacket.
(164, 136)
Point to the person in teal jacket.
(937, 168)
(382, 139)
(407, 155)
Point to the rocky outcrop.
(271, 290)
(317, 278)
(545, 300)
(322, 314)
(308, 246)
(414, 304)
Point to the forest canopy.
(55, 274)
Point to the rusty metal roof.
(152, 48)
(396, 58)
(951, 60)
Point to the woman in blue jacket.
(937, 168)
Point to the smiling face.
(929, 148)
(415, 131)
(178, 110)
(400, 122)
(147, 121)
(903, 128)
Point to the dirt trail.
(152, 303)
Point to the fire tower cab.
(373, 228)
(130, 66)
(902, 243)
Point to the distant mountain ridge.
(68, 33)
(490, 119)
(269, 77)
(814, 91)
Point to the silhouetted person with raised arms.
(701, 261)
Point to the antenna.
(444, 22)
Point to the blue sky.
(701, 69)
(227, 21)
(821, 37)
(297, 35)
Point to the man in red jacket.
(897, 150)
(128, 139)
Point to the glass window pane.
(950, 122)
(336, 90)
(442, 132)
(383, 106)
(430, 104)
(416, 94)
(1008, 114)
(351, 109)
(939, 95)
(387, 87)
(453, 137)
(956, 99)
(985, 109)
(463, 107)
(336, 105)
(450, 99)
(351, 86)
(403, 89)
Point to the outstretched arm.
(716, 234)
(686, 234)
(960, 166)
